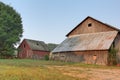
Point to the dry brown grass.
(90, 73)
(55, 70)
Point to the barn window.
(37, 44)
(90, 24)
(24, 45)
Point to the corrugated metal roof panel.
(91, 41)
(37, 45)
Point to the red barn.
(32, 49)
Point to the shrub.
(112, 56)
(46, 57)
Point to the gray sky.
(51, 20)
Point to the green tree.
(52, 46)
(11, 29)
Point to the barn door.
(94, 59)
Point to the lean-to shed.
(89, 42)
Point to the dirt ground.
(90, 73)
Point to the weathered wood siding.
(95, 27)
(84, 57)
(24, 50)
(37, 54)
(117, 46)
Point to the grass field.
(25, 69)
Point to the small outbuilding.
(32, 49)
(91, 42)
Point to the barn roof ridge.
(95, 20)
(37, 45)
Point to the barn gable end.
(24, 49)
(91, 25)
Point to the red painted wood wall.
(26, 52)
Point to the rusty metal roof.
(37, 45)
(90, 41)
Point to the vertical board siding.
(24, 50)
(39, 54)
(95, 27)
(82, 56)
